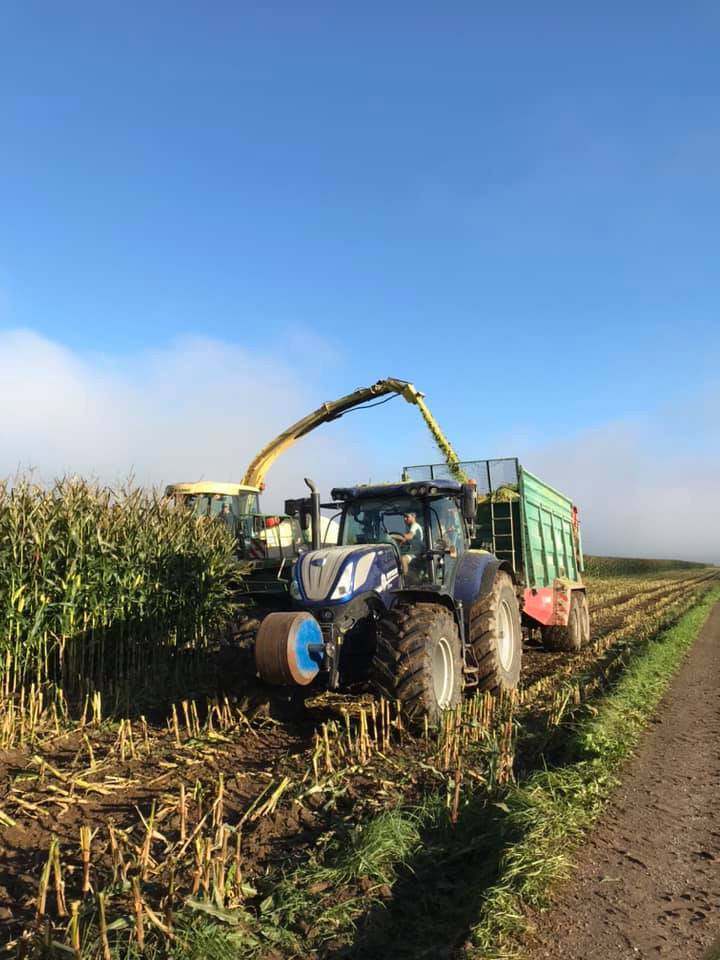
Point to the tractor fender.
(425, 596)
(475, 576)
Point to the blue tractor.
(402, 598)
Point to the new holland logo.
(387, 578)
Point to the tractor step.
(471, 676)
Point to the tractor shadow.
(438, 896)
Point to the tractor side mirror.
(469, 503)
(299, 508)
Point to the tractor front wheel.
(418, 660)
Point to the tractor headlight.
(345, 583)
(294, 589)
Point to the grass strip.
(550, 812)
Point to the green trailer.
(535, 531)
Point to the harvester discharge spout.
(332, 410)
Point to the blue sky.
(516, 209)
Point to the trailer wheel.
(417, 659)
(570, 638)
(496, 636)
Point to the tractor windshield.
(376, 521)
(429, 535)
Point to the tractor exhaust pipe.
(314, 515)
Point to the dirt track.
(647, 882)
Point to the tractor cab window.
(400, 522)
(447, 527)
(446, 532)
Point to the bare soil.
(647, 882)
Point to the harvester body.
(266, 544)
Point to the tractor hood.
(336, 574)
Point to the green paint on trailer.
(547, 518)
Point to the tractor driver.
(411, 542)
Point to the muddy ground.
(647, 882)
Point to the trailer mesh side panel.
(489, 475)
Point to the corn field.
(100, 590)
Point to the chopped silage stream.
(113, 833)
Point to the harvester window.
(246, 503)
(211, 504)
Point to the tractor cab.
(267, 544)
(423, 524)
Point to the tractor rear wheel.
(570, 638)
(418, 659)
(496, 636)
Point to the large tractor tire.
(496, 636)
(573, 637)
(418, 659)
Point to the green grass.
(550, 812)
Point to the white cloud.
(646, 486)
(197, 409)
(201, 408)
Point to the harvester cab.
(401, 600)
(266, 544)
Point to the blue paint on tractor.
(305, 646)
(381, 577)
(474, 577)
